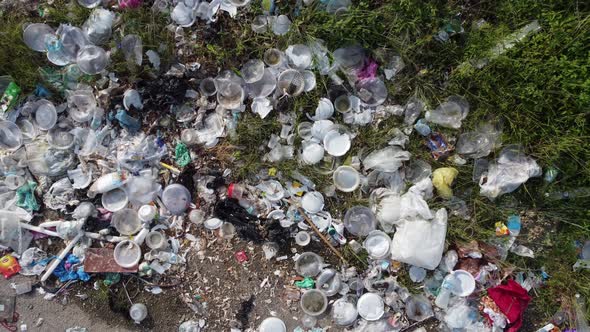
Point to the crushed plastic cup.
(320, 128)
(311, 152)
(138, 312)
(360, 221)
(89, 3)
(176, 198)
(72, 41)
(280, 25)
(291, 82)
(126, 221)
(183, 15)
(272, 324)
(132, 98)
(314, 302)
(11, 138)
(308, 264)
(370, 306)
(418, 308)
(132, 48)
(417, 274)
(299, 56)
(114, 200)
(302, 238)
(312, 202)
(324, 110)
(260, 24)
(127, 254)
(344, 311)
(253, 70)
(156, 240)
(273, 57)
(449, 113)
(45, 115)
(342, 104)
(98, 27)
(147, 212)
(329, 282)
(464, 283)
(208, 87)
(213, 223)
(55, 52)
(264, 86)
(346, 179)
(196, 216)
(377, 244)
(372, 92)
(92, 59)
(34, 36)
(304, 130)
(227, 230)
(309, 79)
(337, 142)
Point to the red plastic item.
(512, 300)
(9, 266)
(241, 256)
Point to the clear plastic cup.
(308, 264)
(346, 179)
(147, 212)
(291, 82)
(55, 52)
(183, 15)
(360, 220)
(114, 200)
(370, 306)
(372, 92)
(126, 221)
(302, 238)
(344, 311)
(98, 27)
(127, 254)
(299, 56)
(273, 57)
(253, 70)
(11, 138)
(272, 324)
(230, 95)
(208, 87)
(34, 36)
(260, 24)
(312, 202)
(377, 244)
(263, 87)
(138, 312)
(280, 25)
(337, 141)
(311, 152)
(156, 240)
(176, 198)
(314, 302)
(92, 59)
(342, 104)
(309, 78)
(45, 115)
(89, 3)
(72, 40)
(304, 130)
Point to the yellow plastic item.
(442, 179)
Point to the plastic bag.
(508, 172)
(388, 159)
(442, 179)
(11, 233)
(420, 242)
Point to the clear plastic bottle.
(571, 194)
(580, 307)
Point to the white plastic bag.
(420, 242)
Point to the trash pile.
(86, 168)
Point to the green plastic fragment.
(111, 279)
(26, 197)
(10, 93)
(182, 155)
(306, 283)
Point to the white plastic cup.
(302, 238)
(127, 254)
(346, 179)
(147, 213)
(126, 221)
(272, 324)
(312, 202)
(138, 312)
(45, 115)
(176, 198)
(114, 200)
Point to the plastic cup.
(324, 110)
(280, 25)
(377, 244)
(11, 138)
(344, 311)
(230, 95)
(308, 264)
(45, 115)
(147, 213)
(272, 324)
(34, 36)
(299, 56)
(260, 24)
(346, 179)
(213, 223)
(309, 79)
(92, 59)
(28, 130)
(372, 92)
(329, 282)
(360, 220)
(252, 71)
(370, 306)
(138, 312)
(156, 240)
(72, 41)
(126, 221)
(196, 216)
(176, 198)
(127, 254)
(320, 128)
(273, 57)
(114, 200)
(13, 181)
(304, 130)
(311, 152)
(263, 87)
(89, 3)
(464, 283)
(314, 302)
(227, 230)
(208, 87)
(342, 104)
(337, 143)
(183, 15)
(302, 238)
(312, 202)
(291, 82)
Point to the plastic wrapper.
(442, 179)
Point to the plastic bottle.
(580, 307)
(442, 299)
(107, 182)
(572, 194)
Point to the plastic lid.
(464, 284)
(346, 179)
(147, 212)
(176, 198)
(127, 254)
(302, 238)
(370, 306)
(336, 143)
(213, 223)
(114, 200)
(312, 202)
(272, 324)
(360, 220)
(126, 221)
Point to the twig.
(317, 231)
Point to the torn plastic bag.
(140, 152)
(393, 181)
(80, 177)
(45, 160)
(508, 172)
(132, 49)
(33, 262)
(450, 113)
(479, 143)
(388, 159)
(12, 234)
(60, 195)
(420, 242)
